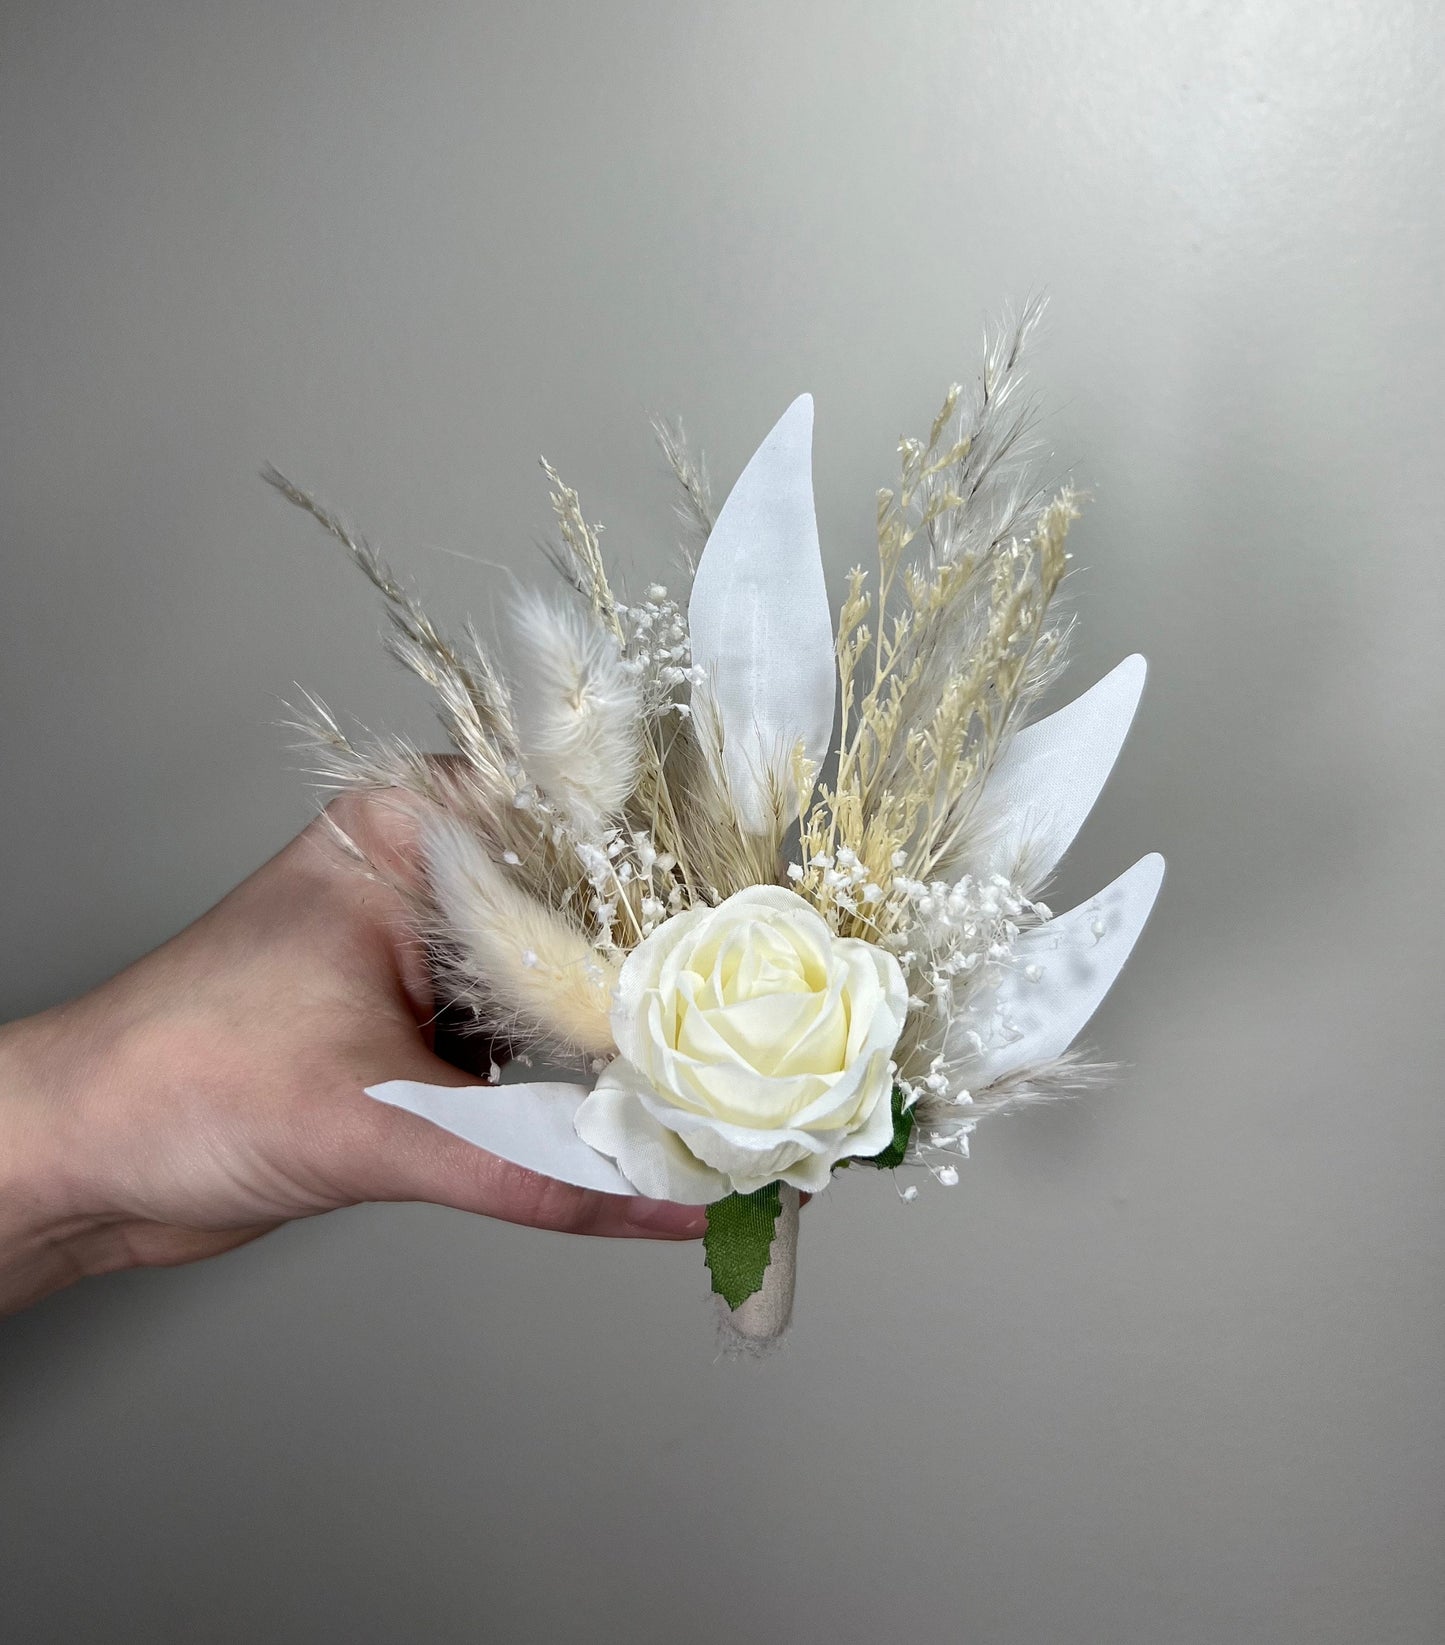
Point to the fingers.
(393, 1155)
(444, 1170)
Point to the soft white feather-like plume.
(525, 968)
(578, 708)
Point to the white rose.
(755, 1047)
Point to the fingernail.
(660, 1216)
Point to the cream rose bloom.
(754, 1047)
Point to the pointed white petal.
(760, 621)
(1077, 957)
(1047, 779)
(530, 1125)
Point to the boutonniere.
(769, 882)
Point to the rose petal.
(758, 1031)
(741, 1096)
(614, 1122)
(822, 1040)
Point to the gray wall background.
(1166, 1366)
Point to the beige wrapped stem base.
(759, 1322)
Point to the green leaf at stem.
(739, 1242)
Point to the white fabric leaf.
(530, 1125)
(1077, 957)
(761, 625)
(1047, 779)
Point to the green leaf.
(892, 1155)
(739, 1242)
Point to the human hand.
(213, 1090)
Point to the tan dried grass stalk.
(937, 664)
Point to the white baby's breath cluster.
(961, 944)
(627, 873)
(658, 652)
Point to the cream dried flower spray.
(771, 884)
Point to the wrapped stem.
(759, 1321)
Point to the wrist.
(44, 1234)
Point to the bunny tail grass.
(524, 968)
